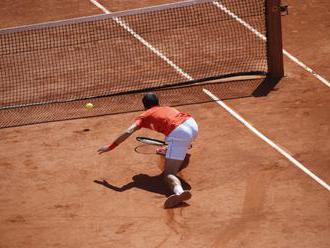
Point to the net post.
(274, 47)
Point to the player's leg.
(171, 168)
(178, 141)
(180, 195)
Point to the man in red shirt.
(180, 129)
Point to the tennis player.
(179, 128)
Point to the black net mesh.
(48, 72)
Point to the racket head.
(150, 141)
(145, 149)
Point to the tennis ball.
(89, 105)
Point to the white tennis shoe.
(175, 200)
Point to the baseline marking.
(267, 140)
(263, 37)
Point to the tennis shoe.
(174, 200)
(161, 150)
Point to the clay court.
(56, 191)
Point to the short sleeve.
(138, 122)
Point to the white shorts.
(179, 140)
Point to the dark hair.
(150, 100)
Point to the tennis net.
(128, 52)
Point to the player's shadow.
(154, 184)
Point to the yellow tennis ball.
(89, 105)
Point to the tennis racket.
(150, 141)
(148, 145)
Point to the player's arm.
(121, 138)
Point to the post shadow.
(266, 86)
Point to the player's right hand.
(103, 149)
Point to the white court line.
(143, 41)
(267, 140)
(284, 153)
(261, 36)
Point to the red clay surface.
(245, 194)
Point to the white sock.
(178, 189)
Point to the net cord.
(103, 16)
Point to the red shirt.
(161, 119)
